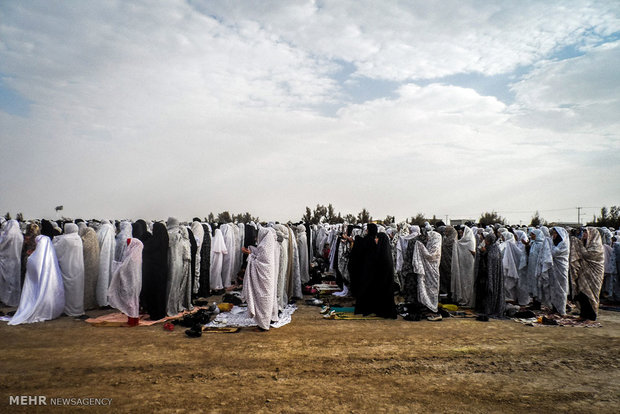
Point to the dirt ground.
(316, 365)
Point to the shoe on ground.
(434, 318)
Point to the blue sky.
(145, 109)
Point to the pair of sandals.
(195, 331)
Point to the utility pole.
(579, 216)
(447, 220)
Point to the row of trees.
(226, 217)
(608, 218)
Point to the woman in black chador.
(375, 289)
(490, 281)
(155, 272)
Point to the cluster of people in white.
(100, 264)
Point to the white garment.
(126, 282)
(261, 278)
(179, 287)
(43, 296)
(11, 242)
(121, 239)
(302, 244)
(515, 267)
(218, 251)
(229, 259)
(107, 244)
(70, 255)
(426, 261)
(462, 284)
(199, 235)
(557, 291)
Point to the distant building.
(458, 222)
(565, 224)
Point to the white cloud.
(149, 109)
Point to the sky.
(149, 109)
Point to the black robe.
(205, 264)
(490, 298)
(193, 251)
(155, 272)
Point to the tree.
(224, 217)
(487, 218)
(210, 218)
(389, 219)
(307, 218)
(418, 220)
(537, 220)
(19, 217)
(609, 218)
(339, 218)
(7, 216)
(330, 215)
(364, 216)
(319, 214)
(350, 218)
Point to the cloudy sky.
(150, 109)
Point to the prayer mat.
(343, 310)
(216, 329)
(239, 317)
(120, 319)
(351, 316)
(557, 320)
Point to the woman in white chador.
(11, 242)
(126, 281)
(463, 258)
(261, 278)
(218, 251)
(70, 254)
(107, 245)
(43, 295)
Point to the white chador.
(11, 242)
(426, 267)
(261, 278)
(107, 244)
(126, 282)
(218, 251)
(229, 259)
(302, 246)
(70, 254)
(121, 239)
(43, 295)
(463, 269)
(555, 291)
(514, 263)
(179, 287)
(199, 235)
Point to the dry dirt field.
(316, 365)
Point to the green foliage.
(537, 220)
(418, 219)
(608, 218)
(487, 218)
(364, 216)
(7, 216)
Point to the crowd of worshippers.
(491, 269)
(49, 268)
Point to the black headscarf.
(155, 272)
(47, 229)
(140, 231)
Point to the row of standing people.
(157, 268)
(480, 268)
